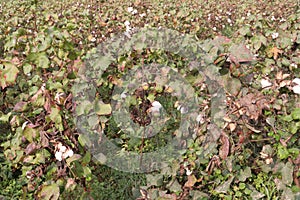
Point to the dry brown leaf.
(191, 181)
(227, 119)
(31, 148)
(48, 103)
(20, 106)
(285, 83)
(43, 139)
(253, 103)
(224, 151)
(232, 126)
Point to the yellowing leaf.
(191, 181)
(103, 109)
(8, 74)
(275, 51)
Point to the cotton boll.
(296, 89)
(58, 155)
(156, 104)
(265, 83)
(126, 23)
(297, 81)
(130, 9)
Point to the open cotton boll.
(156, 104)
(296, 88)
(62, 149)
(297, 81)
(126, 23)
(265, 83)
(182, 109)
(58, 155)
(68, 153)
(130, 9)
(123, 95)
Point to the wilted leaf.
(288, 194)
(49, 192)
(174, 186)
(197, 195)
(155, 180)
(223, 188)
(73, 158)
(256, 195)
(287, 174)
(239, 53)
(20, 106)
(254, 103)
(30, 148)
(244, 174)
(43, 139)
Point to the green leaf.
(86, 158)
(30, 133)
(4, 118)
(39, 59)
(84, 140)
(27, 68)
(285, 42)
(282, 152)
(240, 53)
(42, 61)
(296, 114)
(45, 44)
(56, 118)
